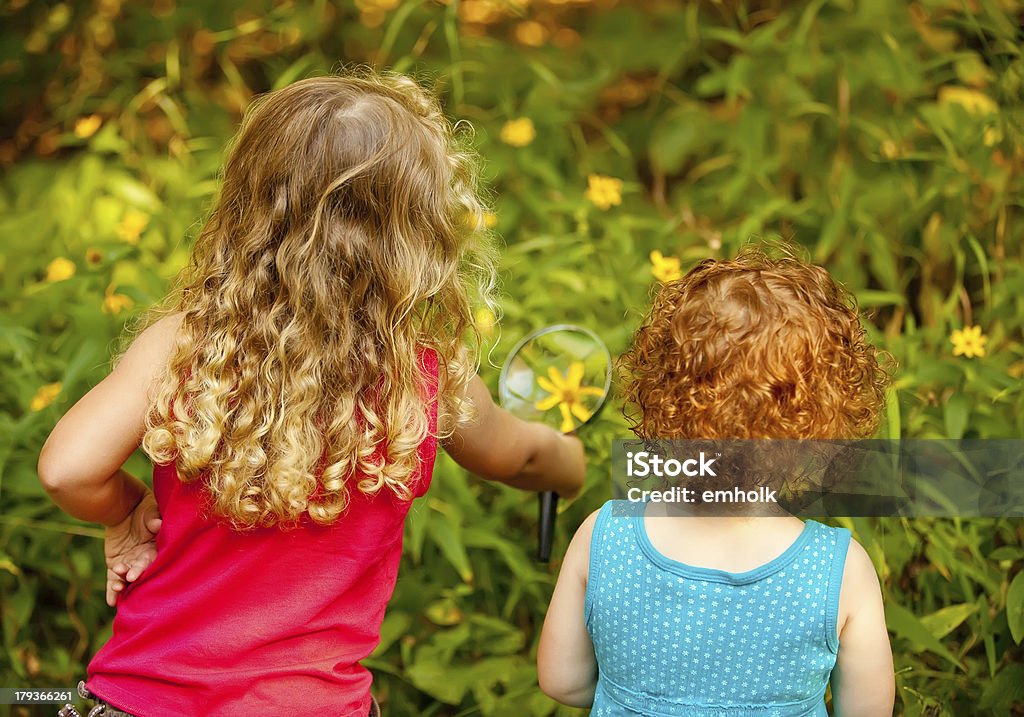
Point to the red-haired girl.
(694, 612)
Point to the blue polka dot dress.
(675, 639)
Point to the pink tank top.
(225, 623)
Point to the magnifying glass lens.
(559, 376)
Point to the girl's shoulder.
(578, 554)
(145, 359)
(859, 582)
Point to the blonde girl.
(291, 393)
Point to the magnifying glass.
(559, 375)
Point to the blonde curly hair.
(753, 347)
(347, 238)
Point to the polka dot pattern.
(674, 639)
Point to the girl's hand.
(130, 546)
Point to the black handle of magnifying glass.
(547, 511)
(547, 503)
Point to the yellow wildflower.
(483, 12)
(518, 132)
(132, 225)
(567, 394)
(45, 396)
(665, 268)
(531, 33)
(974, 101)
(890, 150)
(603, 192)
(372, 17)
(488, 219)
(85, 127)
(485, 321)
(968, 342)
(93, 256)
(60, 269)
(116, 303)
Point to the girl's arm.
(862, 681)
(80, 464)
(566, 665)
(498, 446)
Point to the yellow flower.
(890, 150)
(518, 132)
(131, 226)
(85, 127)
(93, 256)
(372, 17)
(665, 268)
(531, 33)
(485, 321)
(488, 219)
(603, 192)
(566, 393)
(60, 269)
(974, 101)
(968, 342)
(116, 303)
(45, 396)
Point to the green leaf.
(869, 298)
(7, 564)
(1007, 552)
(448, 538)
(676, 138)
(1006, 690)
(955, 415)
(906, 625)
(439, 681)
(395, 625)
(1015, 607)
(132, 191)
(892, 413)
(943, 621)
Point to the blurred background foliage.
(887, 137)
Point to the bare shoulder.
(859, 571)
(157, 338)
(586, 529)
(146, 357)
(577, 557)
(163, 330)
(860, 585)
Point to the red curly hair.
(753, 347)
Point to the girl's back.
(213, 627)
(676, 638)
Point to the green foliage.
(886, 137)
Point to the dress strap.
(834, 585)
(597, 559)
